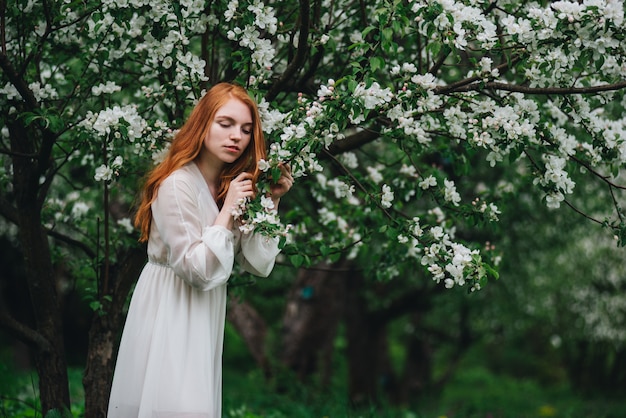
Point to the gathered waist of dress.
(158, 263)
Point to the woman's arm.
(202, 256)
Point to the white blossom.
(126, 224)
(450, 194)
(428, 182)
(103, 173)
(263, 165)
(79, 209)
(108, 88)
(387, 196)
(373, 95)
(375, 174)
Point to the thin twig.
(474, 86)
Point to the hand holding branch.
(282, 186)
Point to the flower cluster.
(260, 215)
(112, 120)
(249, 36)
(106, 172)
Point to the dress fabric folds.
(169, 363)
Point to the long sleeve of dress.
(199, 253)
(257, 253)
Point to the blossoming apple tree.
(382, 108)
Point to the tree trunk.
(104, 335)
(252, 329)
(49, 353)
(312, 314)
(49, 358)
(365, 340)
(417, 374)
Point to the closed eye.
(227, 122)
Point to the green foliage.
(478, 392)
(474, 392)
(55, 413)
(19, 393)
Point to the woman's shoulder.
(186, 174)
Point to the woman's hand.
(240, 188)
(284, 183)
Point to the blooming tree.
(382, 109)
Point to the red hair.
(188, 142)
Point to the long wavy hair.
(188, 142)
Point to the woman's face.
(230, 133)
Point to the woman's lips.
(232, 148)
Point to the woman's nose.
(235, 134)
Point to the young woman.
(169, 362)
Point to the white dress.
(170, 357)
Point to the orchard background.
(438, 146)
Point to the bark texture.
(104, 334)
(252, 329)
(47, 347)
(312, 314)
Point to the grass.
(19, 394)
(474, 393)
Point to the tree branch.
(299, 59)
(9, 212)
(437, 64)
(358, 184)
(581, 213)
(571, 206)
(23, 332)
(354, 141)
(475, 81)
(535, 90)
(597, 174)
(3, 41)
(71, 242)
(18, 82)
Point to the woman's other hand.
(284, 183)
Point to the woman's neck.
(211, 173)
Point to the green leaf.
(29, 117)
(296, 260)
(334, 257)
(275, 174)
(434, 48)
(387, 34)
(600, 63)
(367, 30)
(491, 271)
(55, 123)
(376, 63)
